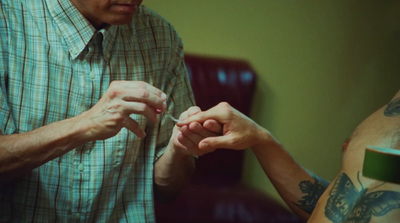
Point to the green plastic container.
(382, 164)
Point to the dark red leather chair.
(215, 193)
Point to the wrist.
(85, 128)
(263, 139)
(177, 153)
(79, 131)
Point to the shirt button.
(92, 75)
(81, 167)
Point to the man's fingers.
(199, 117)
(218, 142)
(138, 91)
(141, 95)
(185, 142)
(217, 113)
(134, 127)
(200, 130)
(191, 135)
(193, 110)
(141, 109)
(213, 126)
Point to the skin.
(379, 129)
(350, 197)
(101, 13)
(20, 153)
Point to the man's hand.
(123, 98)
(238, 131)
(173, 169)
(187, 137)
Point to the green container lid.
(382, 164)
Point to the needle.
(168, 113)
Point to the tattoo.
(313, 192)
(396, 139)
(393, 108)
(346, 204)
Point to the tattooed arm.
(312, 191)
(299, 188)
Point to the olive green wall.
(323, 66)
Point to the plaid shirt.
(54, 65)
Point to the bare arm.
(22, 152)
(298, 187)
(294, 183)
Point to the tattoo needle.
(168, 113)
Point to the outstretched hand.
(186, 138)
(238, 131)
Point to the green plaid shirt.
(54, 65)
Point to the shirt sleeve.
(7, 125)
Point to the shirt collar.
(76, 29)
(109, 37)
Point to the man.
(351, 197)
(83, 84)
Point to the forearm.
(299, 188)
(23, 152)
(172, 172)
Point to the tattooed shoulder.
(393, 108)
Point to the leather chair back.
(215, 80)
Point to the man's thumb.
(212, 143)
